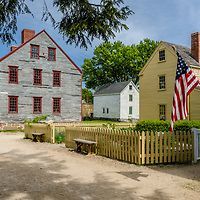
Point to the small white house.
(117, 101)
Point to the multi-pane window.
(130, 110)
(161, 55)
(162, 112)
(162, 84)
(51, 54)
(37, 105)
(37, 76)
(56, 78)
(13, 74)
(56, 105)
(130, 87)
(13, 104)
(35, 51)
(130, 97)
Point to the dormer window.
(51, 54)
(35, 51)
(162, 55)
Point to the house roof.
(112, 88)
(43, 31)
(185, 53)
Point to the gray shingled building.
(39, 78)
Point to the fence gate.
(196, 144)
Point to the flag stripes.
(185, 83)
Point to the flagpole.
(189, 108)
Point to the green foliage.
(9, 11)
(59, 138)
(157, 125)
(36, 119)
(152, 125)
(80, 21)
(109, 125)
(87, 95)
(116, 62)
(186, 125)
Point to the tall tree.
(87, 95)
(115, 62)
(81, 20)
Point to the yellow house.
(157, 80)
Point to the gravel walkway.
(42, 171)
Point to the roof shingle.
(185, 53)
(112, 88)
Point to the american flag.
(185, 83)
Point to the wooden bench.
(38, 137)
(87, 143)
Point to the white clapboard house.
(118, 101)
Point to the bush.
(157, 125)
(37, 119)
(59, 138)
(186, 125)
(152, 125)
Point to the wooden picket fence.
(136, 147)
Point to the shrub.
(37, 119)
(152, 125)
(186, 125)
(157, 125)
(59, 138)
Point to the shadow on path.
(40, 177)
(188, 171)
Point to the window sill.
(162, 61)
(14, 83)
(57, 114)
(12, 113)
(160, 90)
(37, 84)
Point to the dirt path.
(49, 172)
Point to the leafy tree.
(115, 62)
(87, 95)
(81, 20)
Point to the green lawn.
(101, 122)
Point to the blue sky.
(169, 20)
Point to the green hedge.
(157, 125)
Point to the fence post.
(195, 132)
(53, 134)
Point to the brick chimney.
(27, 35)
(195, 46)
(12, 48)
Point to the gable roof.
(43, 31)
(185, 53)
(112, 88)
